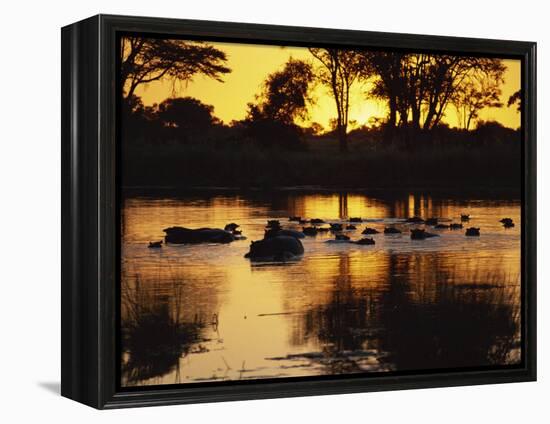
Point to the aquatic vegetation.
(153, 336)
(464, 323)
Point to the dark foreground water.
(194, 313)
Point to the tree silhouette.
(447, 74)
(515, 99)
(389, 86)
(284, 98)
(476, 95)
(419, 87)
(145, 60)
(285, 93)
(339, 70)
(187, 116)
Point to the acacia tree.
(145, 60)
(339, 70)
(449, 74)
(475, 95)
(286, 93)
(420, 87)
(284, 99)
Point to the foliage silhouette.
(144, 60)
(339, 70)
(284, 99)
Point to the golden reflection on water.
(205, 313)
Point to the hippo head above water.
(278, 248)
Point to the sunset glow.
(251, 64)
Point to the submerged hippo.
(366, 241)
(369, 230)
(281, 232)
(418, 234)
(309, 231)
(507, 222)
(231, 227)
(455, 226)
(181, 235)
(391, 230)
(472, 232)
(336, 227)
(278, 248)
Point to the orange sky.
(251, 64)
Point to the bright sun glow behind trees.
(251, 64)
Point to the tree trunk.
(389, 130)
(342, 139)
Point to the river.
(199, 313)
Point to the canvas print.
(304, 212)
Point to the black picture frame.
(90, 215)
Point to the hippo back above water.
(278, 248)
(181, 235)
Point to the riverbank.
(195, 165)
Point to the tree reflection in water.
(446, 324)
(462, 327)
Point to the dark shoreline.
(486, 192)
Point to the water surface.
(195, 313)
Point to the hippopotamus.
(432, 221)
(278, 248)
(309, 231)
(369, 230)
(507, 222)
(391, 230)
(455, 226)
(418, 234)
(472, 231)
(181, 235)
(231, 227)
(336, 227)
(414, 220)
(356, 219)
(365, 241)
(464, 217)
(442, 226)
(273, 232)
